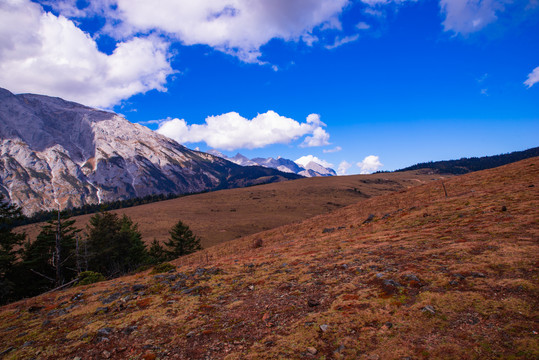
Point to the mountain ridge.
(311, 169)
(57, 153)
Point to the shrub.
(161, 268)
(90, 277)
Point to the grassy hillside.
(229, 214)
(406, 275)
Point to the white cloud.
(46, 54)
(319, 136)
(370, 164)
(335, 149)
(237, 27)
(341, 41)
(467, 16)
(343, 167)
(232, 131)
(363, 26)
(533, 78)
(304, 160)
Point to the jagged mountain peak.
(56, 152)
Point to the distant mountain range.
(60, 153)
(311, 169)
(466, 165)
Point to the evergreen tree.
(157, 254)
(42, 264)
(114, 244)
(182, 241)
(8, 242)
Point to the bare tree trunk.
(77, 258)
(58, 262)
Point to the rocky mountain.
(59, 153)
(311, 169)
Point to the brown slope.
(228, 214)
(444, 278)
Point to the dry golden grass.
(428, 277)
(229, 214)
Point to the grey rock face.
(59, 153)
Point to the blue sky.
(355, 84)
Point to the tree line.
(111, 246)
(466, 165)
(42, 216)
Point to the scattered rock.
(339, 349)
(138, 287)
(128, 330)
(111, 298)
(386, 216)
(477, 274)
(411, 277)
(312, 350)
(328, 230)
(324, 327)
(429, 309)
(504, 208)
(11, 348)
(34, 308)
(101, 310)
(195, 290)
(106, 354)
(388, 325)
(190, 334)
(391, 283)
(104, 331)
(313, 302)
(369, 219)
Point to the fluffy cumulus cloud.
(319, 136)
(48, 54)
(343, 167)
(533, 78)
(370, 164)
(304, 160)
(232, 131)
(467, 16)
(238, 27)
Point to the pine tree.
(115, 244)
(157, 254)
(8, 242)
(43, 263)
(182, 241)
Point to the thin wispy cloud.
(334, 150)
(533, 78)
